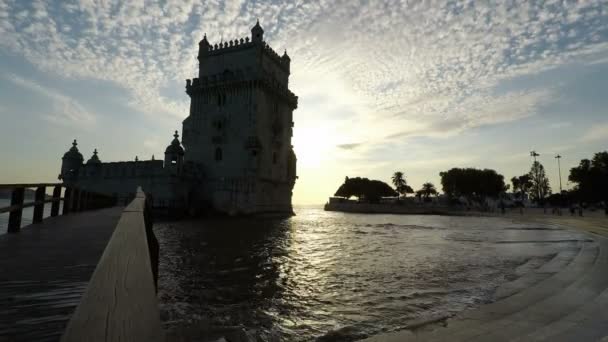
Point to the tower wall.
(240, 126)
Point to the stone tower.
(240, 125)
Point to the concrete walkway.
(568, 305)
(44, 270)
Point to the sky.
(383, 85)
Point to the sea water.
(333, 276)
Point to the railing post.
(14, 218)
(39, 207)
(77, 194)
(56, 201)
(84, 204)
(67, 200)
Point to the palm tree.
(428, 189)
(398, 179)
(401, 184)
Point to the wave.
(405, 226)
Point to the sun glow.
(312, 145)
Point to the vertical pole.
(67, 200)
(85, 201)
(56, 201)
(39, 206)
(14, 218)
(76, 200)
(559, 169)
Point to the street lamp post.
(559, 170)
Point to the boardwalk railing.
(120, 301)
(74, 199)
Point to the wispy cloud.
(424, 60)
(595, 133)
(349, 146)
(64, 109)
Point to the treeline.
(590, 178)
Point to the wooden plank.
(27, 205)
(28, 185)
(14, 218)
(56, 199)
(45, 270)
(39, 206)
(67, 202)
(120, 302)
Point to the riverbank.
(534, 214)
(379, 208)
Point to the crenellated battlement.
(229, 45)
(238, 79)
(207, 49)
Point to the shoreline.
(372, 208)
(479, 322)
(533, 214)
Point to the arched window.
(218, 154)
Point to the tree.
(522, 184)
(363, 188)
(472, 183)
(540, 183)
(401, 184)
(591, 178)
(427, 190)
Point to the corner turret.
(257, 33)
(203, 48)
(286, 60)
(174, 156)
(71, 163)
(94, 158)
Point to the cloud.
(596, 133)
(349, 146)
(377, 70)
(64, 109)
(560, 125)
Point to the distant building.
(237, 155)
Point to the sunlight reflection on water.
(342, 276)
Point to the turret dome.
(73, 153)
(175, 147)
(94, 158)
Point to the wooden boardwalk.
(44, 270)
